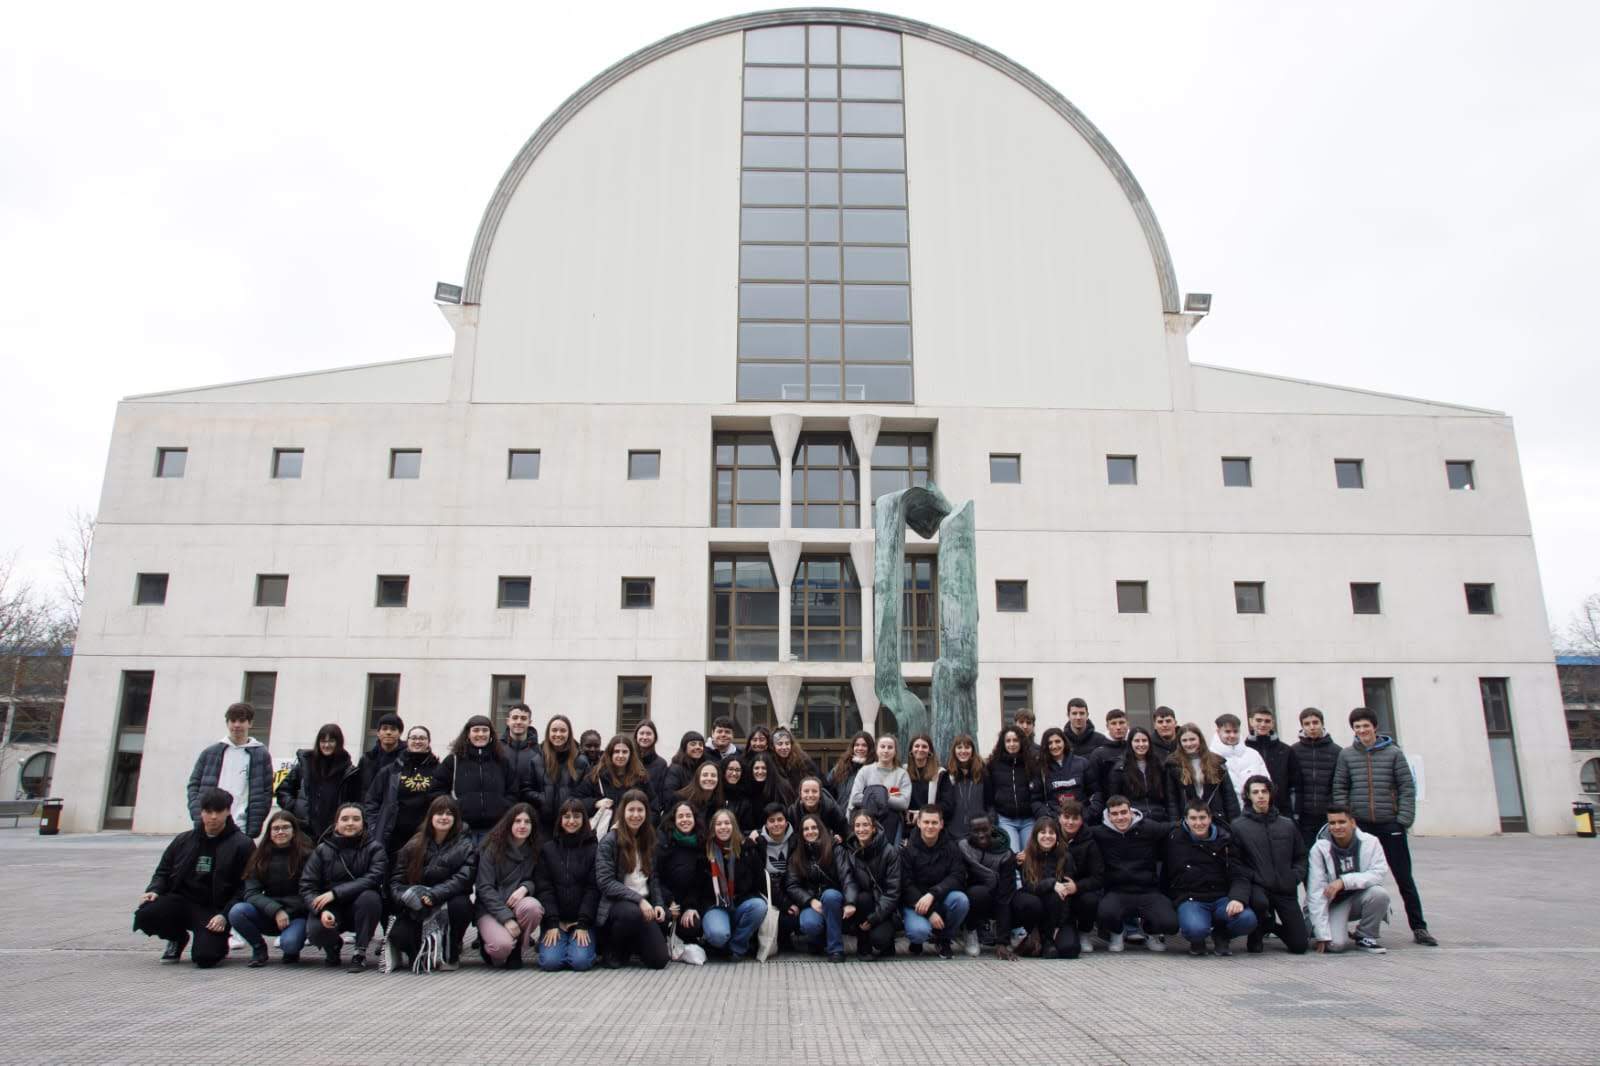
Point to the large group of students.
(568, 851)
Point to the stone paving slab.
(1515, 982)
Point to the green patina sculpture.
(955, 675)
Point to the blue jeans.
(247, 921)
(829, 924)
(1016, 831)
(1198, 919)
(566, 952)
(735, 931)
(953, 910)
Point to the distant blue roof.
(1578, 660)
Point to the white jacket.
(1371, 865)
(1244, 762)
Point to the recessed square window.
(287, 462)
(405, 464)
(1250, 597)
(1016, 694)
(515, 592)
(1005, 469)
(1236, 472)
(1480, 599)
(150, 590)
(522, 465)
(1460, 474)
(1364, 597)
(1347, 474)
(393, 590)
(1122, 469)
(638, 593)
(1011, 595)
(644, 466)
(170, 462)
(1133, 597)
(272, 590)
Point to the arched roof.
(481, 244)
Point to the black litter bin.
(50, 818)
(1582, 813)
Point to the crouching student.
(991, 888)
(1270, 843)
(875, 865)
(737, 901)
(507, 905)
(340, 886)
(681, 869)
(1088, 871)
(1131, 846)
(272, 891)
(196, 882)
(1042, 905)
(933, 903)
(1209, 881)
(820, 884)
(1347, 871)
(431, 885)
(566, 886)
(631, 909)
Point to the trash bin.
(50, 818)
(1582, 813)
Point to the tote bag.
(767, 937)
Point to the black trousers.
(172, 917)
(1085, 907)
(880, 937)
(628, 933)
(1051, 917)
(981, 900)
(1280, 913)
(359, 916)
(1396, 849)
(406, 933)
(1154, 909)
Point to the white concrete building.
(679, 255)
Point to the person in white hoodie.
(1346, 885)
(240, 765)
(1244, 762)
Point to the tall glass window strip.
(824, 259)
(824, 490)
(744, 609)
(748, 481)
(825, 614)
(748, 703)
(919, 617)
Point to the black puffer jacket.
(498, 878)
(819, 877)
(399, 797)
(374, 763)
(1089, 868)
(314, 797)
(1283, 766)
(1106, 757)
(276, 889)
(994, 868)
(831, 813)
(1071, 778)
(232, 850)
(876, 869)
(1012, 791)
(345, 866)
(1132, 857)
(483, 780)
(1146, 790)
(749, 878)
(1316, 759)
(597, 787)
(1222, 798)
(1271, 844)
(655, 768)
(1082, 744)
(527, 764)
(561, 786)
(1049, 874)
(939, 869)
(674, 778)
(684, 873)
(967, 800)
(1205, 869)
(448, 869)
(565, 877)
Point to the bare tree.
(33, 636)
(72, 558)
(1582, 633)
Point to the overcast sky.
(1397, 196)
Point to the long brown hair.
(846, 763)
(415, 853)
(930, 770)
(1211, 765)
(1150, 785)
(553, 756)
(632, 775)
(697, 797)
(299, 848)
(976, 764)
(1034, 860)
(633, 848)
(800, 857)
(797, 761)
(1025, 750)
(498, 840)
(711, 833)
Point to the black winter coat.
(1146, 791)
(876, 869)
(275, 889)
(527, 764)
(610, 879)
(399, 797)
(1316, 759)
(818, 877)
(595, 788)
(374, 763)
(448, 869)
(1045, 882)
(967, 800)
(655, 767)
(749, 878)
(345, 866)
(1071, 778)
(1084, 744)
(1013, 792)
(498, 878)
(684, 873)
(994, 869)
(315, 798)
(1205, 869)
(1221, 798)
(1132, 859)
(673, 780)
(1271, 844)
(1089, 867)
(939, 869)
(565, 878)
(832, 815)
(561, 786)
(1106, 757)
(485, 785)
(233, 851)
(1283, 766)
(841, 788)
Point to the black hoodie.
(1085, 742)
(207, 870)
(1282, 766)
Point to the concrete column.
(463, 319)
(784, 689)
(1179, 370)
(785, 434)
(861, 553)
(785, 555)
(864, 433)
(866, 699)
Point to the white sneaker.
(1086, 945)
(237, 943)
(1157, 944)
(1370, 946)
(972, 947)
(1115, 944)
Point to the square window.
(1016, 694)
(633, 703)
(1459, 473)
(1260, 693)
(522, 465)
(515, 592)
(1364, 597)
(1347, 474)
(1480, 599)
(644, 466)
(287, 462)
(638, 593)
(1236, 472)
(405, 464)
(170, 462)
(150, 590)
(1139, 700)
(272, 590)
(1250, 597)
(1133, 597)
(1005, 469)
(1122, 470)
(393, 590)
(383, 697)
(1011, 595)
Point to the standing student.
(436, 869)
(323, 777)
(631, 908)
(1140, 774)
(851, 760)
(398, 799)
(759, 740)
(681, 869)
(1283, 767)
(565, 767)
(875, 864)
(654, 766)
(272, 891)
(617, 774)
(685, 761)
(764, 784)
(1271, 845)
(1209, 881)
(340, 885)
(737, 903)
(507, 904)
(1346, 885)
(991, 887)
(703, 794)
(1081, 735)
(933, 903)
(791, 758)
(386, 749)
(884, 788)
(566, 886)
(1317, 755)
(1104, 758)
(1062, 775)
(1197, 772)
(1373, 779)
(241, 766)
(1089, 872)
(927, 779)
(1243, 761)
(1024, 720)
(966, 782)
(1164, 739)
(722, 747)
(820, 884)
(591, 743)
(1131, 846)
(480, 774)
(1042, 905)
(734, 793)
(196, 883)
(521, 740)
(812, 798)
(1015, 789)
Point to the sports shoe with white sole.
(1115, 944)
(972, 947)
(1157, 944)
(1370, 946)
(1086, 945)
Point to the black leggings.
(1051, 917)
(1280, 913)
(359, 915)
(172, 917)
(880, 938)
(406, 933)
(628, 933)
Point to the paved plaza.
(1515, 982)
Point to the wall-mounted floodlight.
(446, 293)
(1197, 303)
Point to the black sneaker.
(835, 956)
(258, 957)
(175, 948)
(1422, 936)
(946, 950)
(915, 949)
(330, 958)
(1197, 948)
(1255, 943)
(863, 947)
(358, 963)
(291, 960)
(1222, 946)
